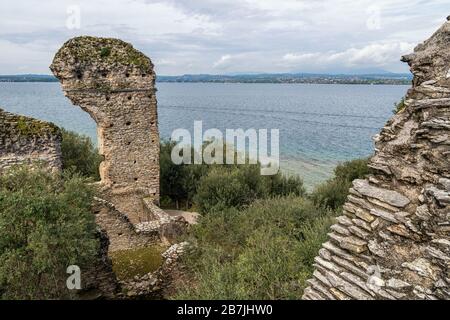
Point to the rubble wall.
(393, 239)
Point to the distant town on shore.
(378, 78)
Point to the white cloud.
(223, 62)
(373, 55)
(228, 35)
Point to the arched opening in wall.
(79, 145)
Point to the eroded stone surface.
(399, 217)
(24, 140)
(114, 83)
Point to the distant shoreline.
(301, 78)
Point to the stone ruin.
(30, 141)
(24, 140)
(393, 239)
(115, 84)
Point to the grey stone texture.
(393, 241)
(115, 84)
(25, 140)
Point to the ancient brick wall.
(27, 140)
(115, 84)
(393, 239)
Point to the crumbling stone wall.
(27, 140)
(393, 240)
(121, 232)
(98, 280)
(115, 84)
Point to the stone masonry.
(115, 84)
(393, 239)
(27, 140)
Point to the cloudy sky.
(225, 36)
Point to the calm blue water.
(320, 125)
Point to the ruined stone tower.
(115, 84)
(393, 239)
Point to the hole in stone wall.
(135, 179)
(144, 75)
(134, 161)
(127, 75)
(129, 97)
(107, 98)
(128, 123)
(79, 75)
(104, 74)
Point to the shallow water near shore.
(320, 125)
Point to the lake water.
(320, 125)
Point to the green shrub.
(333, 193)
(178, 182)
(282, 185)
(399, 106)
(207, 186)
(262, 252)
(239, 185)
(79, 154)
(228, 187)
(45, 226)
(351, 170)
(171, 176)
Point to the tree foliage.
(262, 252)
(45, 226)
(220, 185)
(238, 186)
(333, 193)
(79, 154)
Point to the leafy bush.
(333, 193)
(222, 185)
(399, 106)
(45, 226)
(171, 175)
(282, 185)
(79, 154)
(178, 182)
(262, 252)
(225, 187)
(238, 186)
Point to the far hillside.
(375, 78)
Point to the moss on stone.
(105, 52)
(88, 50)
(399, 106)
(29, 127)
(128, 264)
